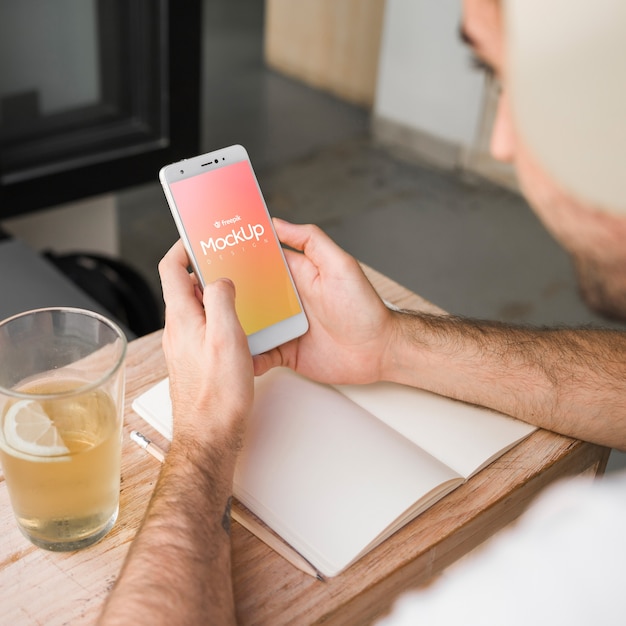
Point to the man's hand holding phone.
(350, 328)
(226, 230)
(207, 354)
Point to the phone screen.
(230, 234)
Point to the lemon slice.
(28, 429)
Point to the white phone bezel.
(271, 336)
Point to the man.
(570, 381)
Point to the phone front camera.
(215, 160)
(182, 171)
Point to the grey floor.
(469, 246)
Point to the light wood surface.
(40, 587)
(331, 45)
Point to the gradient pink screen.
(231, 236)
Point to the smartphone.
(227, 231)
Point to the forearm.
(178, 569)
(569, 381)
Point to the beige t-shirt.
(561, 563)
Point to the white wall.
(86, 225)
(426, 81)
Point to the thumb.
(314, 242)
(219, 304)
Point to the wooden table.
(40, 587)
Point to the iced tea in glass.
(61, 407)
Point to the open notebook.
(336, 470)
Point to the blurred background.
(365, 117)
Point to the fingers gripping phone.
(224, 223)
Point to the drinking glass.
(61, 412)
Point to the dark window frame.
(148, 119)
